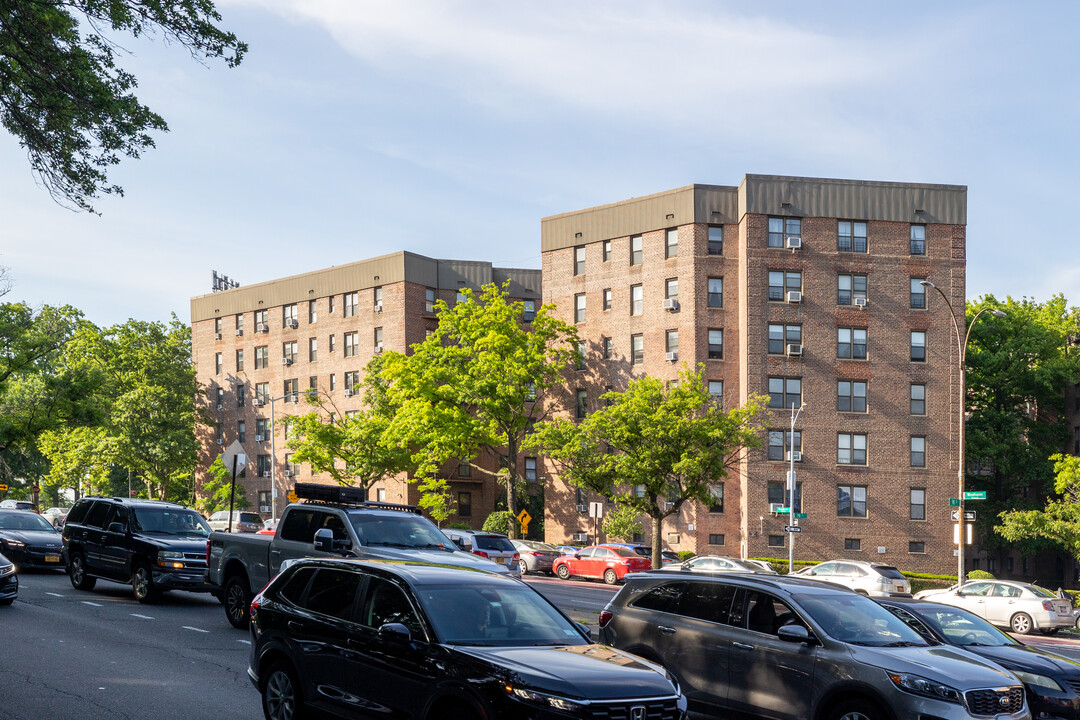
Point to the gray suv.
(789, 648)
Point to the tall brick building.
(805, 290)
(257, 347)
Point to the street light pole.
(961, 354)
(273, 450)
(791, 487)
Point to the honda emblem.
(637, 712)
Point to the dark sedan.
(1052, 682)
(9, 581)
(355, 638)
(29, 540)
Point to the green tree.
(500, 521)
(67, 102)
(653, 447)
(476, 385)
(435, 498)
(623, 523)
(79, 458)
(217, 491)
(1059, 519)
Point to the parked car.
(269, 527)
(398, 639)
(18, 505)
(247, 522)
(1052, 681)
(790, 648)
(717, 563)
(55, 515)
(868, 578)
(1022, 607)
(536, 556)
(667, 557)
(568, 549)
(155, 546)
(9, 581)
(496, 547)
(29, 540)
(600, 561)
(765, 565)
(332, 521)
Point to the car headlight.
(170, 555)
(7, 570)
(1037, 680)
(917, 685)
(543, 699)
(17, 544)
(171, 559)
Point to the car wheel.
(1021, 623)
(281, 698)
(237, 602)
(77, 573)
(142, 584)
(523, 567)
(6, 601)
(453, 712)
(611, 577)
(563, 572)
(856, 709)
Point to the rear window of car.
(493, 542)
(1042, 592)
(624, 552)
(250, 518)
(889, 572)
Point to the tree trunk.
(657, 558)
(511, 468)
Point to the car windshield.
(170, 521)
(859, 620)
(512, 615)
(400, 530)
(19, 520)
(960, 627)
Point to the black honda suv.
(356, 638)
(153, 545)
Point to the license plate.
(52, 558)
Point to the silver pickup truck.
(241, 564)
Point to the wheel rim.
(77, 571)
(562, 572)
(141, 583)
(235, 600)
(610, 577)
(1021, 624)
(280, 696)
(522, 567)
(854, 715)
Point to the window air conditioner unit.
(260, 403)
(793, 242)
(796, 456)
(671, 356)
(378, 307)
(239, 333)
(260, 438)
(671, 304)
(293, 324)
(286, 361)
(349, 392)
(860, 302)
(221, 441)
(580, 537)
(264, 508)
(378, 349)
(217, 336)
(774, 508)
(794, 296)
(294, 398)
(583, 508)
(793, 349)
(262, 327)
(266, 473)
(289, 473)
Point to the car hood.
(941, 663)
(1028, 658)
(37, 538)
(433, 557)
(930, 593)
(179, 543)
(589, 672)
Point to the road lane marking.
(246, 642)
(144, 617)
(54, 594)
(188, 627)
(87, 602)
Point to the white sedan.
(1021, 607)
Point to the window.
(351, 304)
(918, 451)
(671, 243)
(780, 228)
(582, 405)
(671, 289)
(918, 294)
(288, 351)
(217, 325)
(852, 543)
(850, 288)
(312, 312)
(262, 357)
(918, 346)
(263, 464)
(291, 388)
(607, 250)
(261, 317)
(778, 493)
(851, 343)
(240, 360)
(288, 315)
(716, 389)
(530, 469)
(780, 336)
(716, 240)
(313, 382)
(607, 346)
(352, 343)
(582, 350)
(461, 294)
(262, 393)
(218, 363)
(851, 396)
(917, 504)
(851, 501)
(637, 300)
(671, 341)
(916, 546)
(776, 541)
(330, 304)
(377, 339)
(528, 310)
(717, 503)
(851, 449)
(241, 394)
(716, 539)
(376, 296)
(352, 379)
(716, 292)
(607, 299)
(918, 239)
(918, 399)
(464, 469)
(464, 504)
(781, 282)
(240, 322)
(716, 344)
(241, 431)
(579, 260)
(637, 349)
(851, 236)
(780, 444)
(635, 250)
(429, 300)
(312, 349)
(579, 308)
(333, 381)
(785, 392)
(332, 344)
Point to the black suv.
(356, 638)
(155, 546)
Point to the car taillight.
(517, 556)
(536, 554)
(605, 617)
(1047, 605)
(481, 553)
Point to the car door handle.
(742, 646)
(665, 629)
(275, 552)
(296, 626)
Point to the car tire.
(455, 711)
(611, 577)
(77, 573)
(6, 601)
(856, 709)
(142, 584)
(237, 601)
(281, 695)
(523, 567)
(563, 572)
(1021, 624)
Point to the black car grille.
(654, 709)
(995, 702)
(43, 549)
(1074, 683)
(192, 559)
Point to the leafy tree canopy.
(622, 523)
(1059, 520)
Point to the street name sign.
(977, 495)
(954, 502)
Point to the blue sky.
(354, 129)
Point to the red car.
(599, 561)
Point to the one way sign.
(969, 515)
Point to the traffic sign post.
(976, 495)
(792, 529)
(3, 488)
(524, 517)
(969, 515)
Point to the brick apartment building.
(257, 347)
(804, 290)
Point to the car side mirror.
(117, 528)
(584, 629)
(395, 631)
(796, 634)
(324, 540)
(960, 593)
